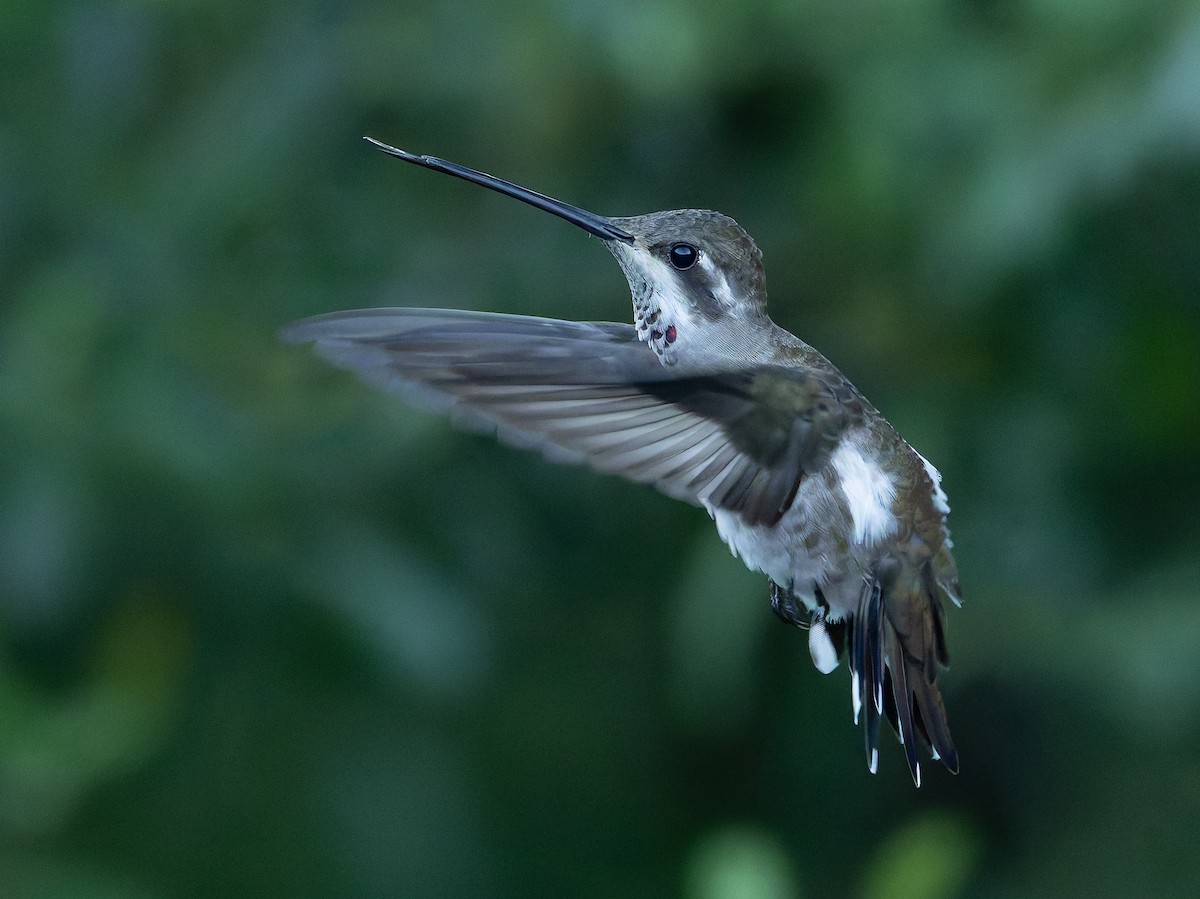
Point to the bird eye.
(683, 256)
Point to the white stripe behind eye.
(720, 290)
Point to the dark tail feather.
(903, 698)
(866, 667)
(897, 645)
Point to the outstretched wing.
(590, 392)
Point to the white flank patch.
(939, 495)
(821, 648)
(869, 493)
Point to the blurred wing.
(590, 392)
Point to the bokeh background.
(264, 631)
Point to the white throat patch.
(662, 316)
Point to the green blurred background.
(264, 631)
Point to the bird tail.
(896, 647)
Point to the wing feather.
(590, 392)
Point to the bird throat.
(660, 314)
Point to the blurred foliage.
(266, 632)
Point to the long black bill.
(588, 221)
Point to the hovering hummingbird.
(710, 401)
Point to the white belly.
(827, 536)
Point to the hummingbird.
(708, 400)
